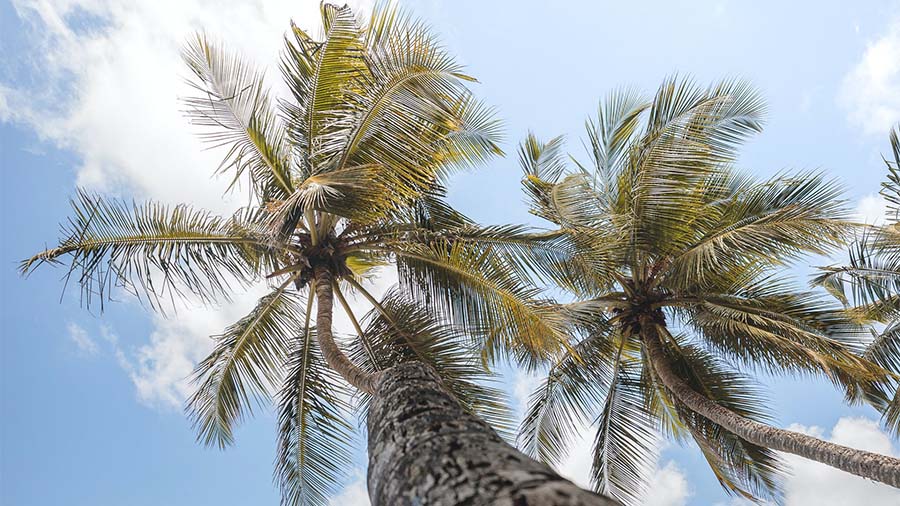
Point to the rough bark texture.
(330, 351)
(425, 450)
(861, 463)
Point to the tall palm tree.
(869, 285)
(345, 175)
(673, 260)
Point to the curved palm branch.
(244, 366)
(313, 452)
(158, 251)
(235, 108)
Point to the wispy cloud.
(109, 77)
(82, 340)
(871, 89)
(872, 209)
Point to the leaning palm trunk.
(330, 351)
(425, 449)
(861, 463)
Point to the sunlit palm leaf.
(483, 294)
(314, 451)
(158, 251)
(244, 366)
(235, 108)
(399, 330)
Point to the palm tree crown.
(345, 175)
(672, 256)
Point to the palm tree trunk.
(861, 463)
(425, 449)
(333, 355)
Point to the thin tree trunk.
(330, 351)
(424, 449)
(861, 463)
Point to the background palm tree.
(869, 285)
(674, 259)
(345, 176)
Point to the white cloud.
(872, 209)
(524, 383)
(871, 90)
(161, 369)
(354, 494)
(814, 484)
(668, 487)
(82, 340)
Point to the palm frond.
(890, 189)
(314, 451)
(690, 133)
(625, 448)
(234, 107)
(567, 398)
(612, 133)
(400, 330)
(244, 366)
(783, 331)
(157, 251)
(480, 292)
(774, 221)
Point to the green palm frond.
(480, 292)
(572, 391)
(545, 161)
(244, 366)
(158, 251)
(397, 116)
(337, 61)
(784, 332)
(314, 450)
(625, 448)
(234, 107)
(611, 134)
(413, 89)
(690, 133)
(742, 468)
(872, 273)
(398, 331)
(890, 189)
(774, 221)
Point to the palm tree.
(673, 260)
(869, 285)
(346, 175)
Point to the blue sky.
(90, 402)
